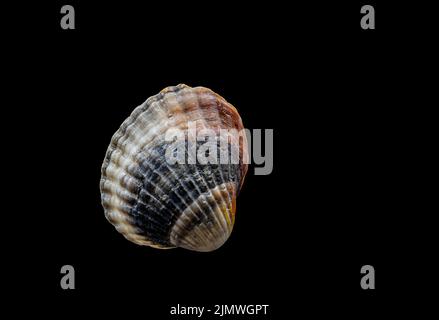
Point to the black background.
(341, 194)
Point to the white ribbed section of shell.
(141, 128)
(210, 234)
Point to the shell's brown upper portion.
(155, 203)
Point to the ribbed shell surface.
(162, 205)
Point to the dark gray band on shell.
(155, 219)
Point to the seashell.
(162, 205)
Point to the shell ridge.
(201, 113)
(120, 133)
(194, 200)
(193, 236)
(117, 201)
(125, 135)
(115, 197)
(165, 103)
(126, 153)
(182, 231)
(228, 162)
(166, 181)
(175, 206)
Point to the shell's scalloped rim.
(182, 86)
(174, 88)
